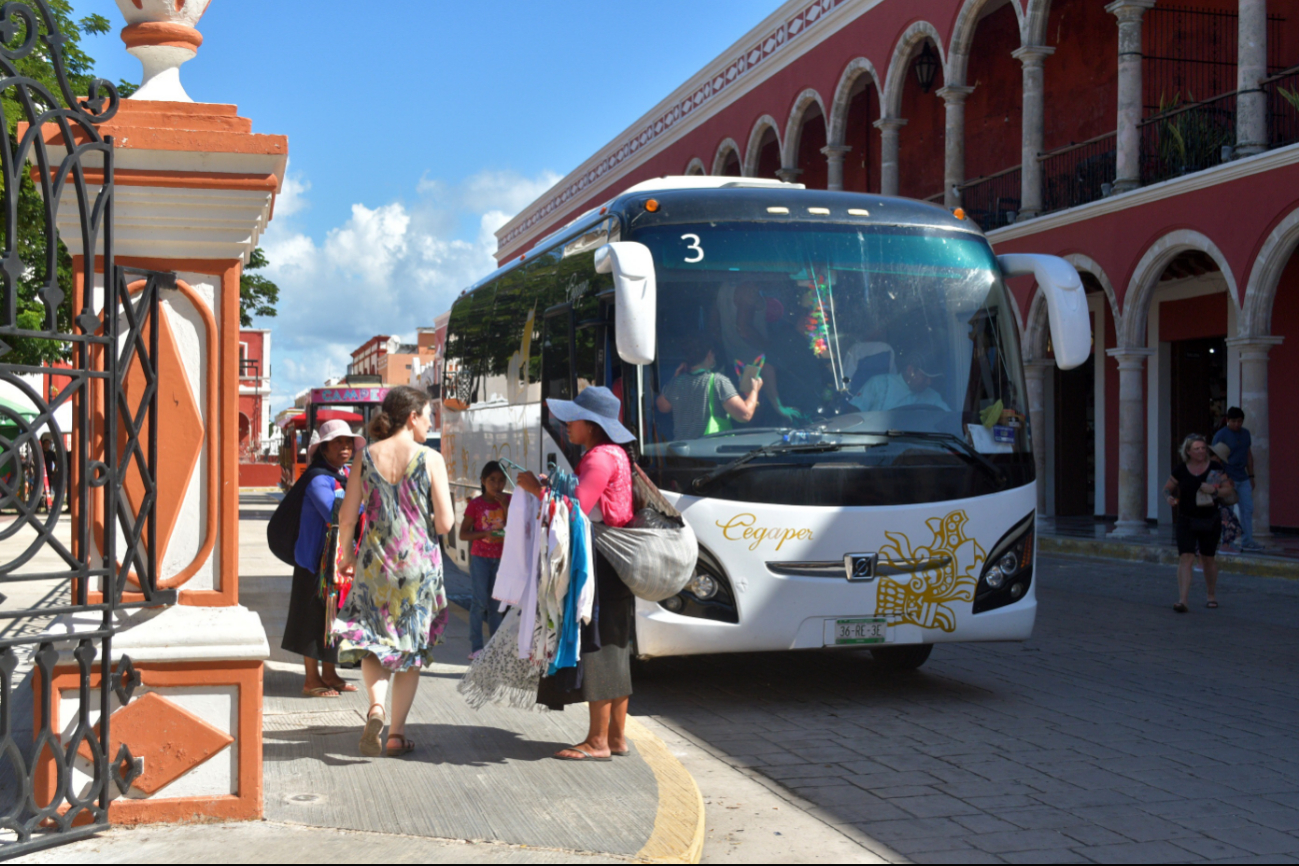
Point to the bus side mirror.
(1066, 303)
(635, 303)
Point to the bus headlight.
(702, 587)
(1009, 570)
(708, 595)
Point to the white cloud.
(385, 270)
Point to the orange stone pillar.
(194, 189)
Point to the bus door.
(575, 355)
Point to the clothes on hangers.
(518, 553)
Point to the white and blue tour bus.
(881, 495)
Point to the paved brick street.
(1122, 732)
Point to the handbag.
(715, 423)
(654, 555)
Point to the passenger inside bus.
(701, 400)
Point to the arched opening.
(861, 166)
(1272, 311)
(1076, 413)
(806, 137)
(727, 163)
(1190, 316)
(922, 140)
(763, 157)
(696, 167)
(993, 118)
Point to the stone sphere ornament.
(162, 35)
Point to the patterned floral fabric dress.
(397, 608)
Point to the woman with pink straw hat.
(325, 478)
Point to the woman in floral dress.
(397, 609)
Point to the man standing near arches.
(1240, 468)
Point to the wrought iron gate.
(89, 352)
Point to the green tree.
(32, 246)
(257, 295)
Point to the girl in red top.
(484, 525)
(604, 491)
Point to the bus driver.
(910, 387)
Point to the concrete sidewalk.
(485, 778)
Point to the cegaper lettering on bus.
(743, 527)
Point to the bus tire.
(902, 658)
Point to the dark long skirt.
(601, 674)
(304, 631)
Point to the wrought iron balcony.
(1282, 92)
(250, 368)
(993, 201)
(1187, 137)
(1079, 173)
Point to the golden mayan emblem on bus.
(924, 599)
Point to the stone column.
(788, 174)
(834, 154)
(1253, 352)
(889, 128)
(1034, 124)
(1035, 373)
(1251, 67)
(1128, 156)
(954, 140)
(1132, 445)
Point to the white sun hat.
(332, 430)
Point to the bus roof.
(750, 199)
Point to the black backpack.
(284, 525)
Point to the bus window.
(470, 340)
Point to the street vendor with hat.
(329, 457)
(604, 491)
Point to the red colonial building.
(1154, 146)
(254, 391)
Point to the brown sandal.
(405, 748)
(370, 745)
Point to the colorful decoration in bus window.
(925, 598)
(815, 323)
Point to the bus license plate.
(860, 631)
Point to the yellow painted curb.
(678, 835)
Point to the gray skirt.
(602, 674)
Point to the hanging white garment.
(518, 558)
(528, 602)
(552, 585)
(498, 676)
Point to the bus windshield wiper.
(955, 444)
(766, 450)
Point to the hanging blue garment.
(564, 483)
(570, 635)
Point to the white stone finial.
(162, 35)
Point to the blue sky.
(417, 131)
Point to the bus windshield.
(854, 331)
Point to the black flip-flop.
(1213, 605)
(1180, 608)
(586, 756)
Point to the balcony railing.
(1187, 138)
(1079, 173)
(993, 201)
(250, 368)
(1282, 92)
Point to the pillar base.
(195, 719)
(1129, 528)
(1125, 186)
